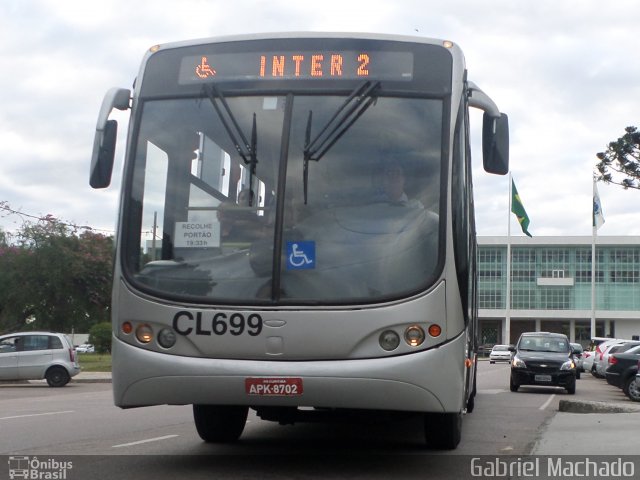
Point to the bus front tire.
(443, 430)
(220, 423)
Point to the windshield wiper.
(247, 151)
(344, 117)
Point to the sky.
(566, 72)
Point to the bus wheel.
(443, 430)
(220, 423)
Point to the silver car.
(500, 353)
(38, 355)
(578, 358)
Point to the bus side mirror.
(104, 143)
(495, 144)
(102, 159)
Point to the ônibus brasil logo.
(38, 469)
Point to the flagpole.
(508, 296)
(593, 262)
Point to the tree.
(55, 275)
(100, 337)
(620, 163)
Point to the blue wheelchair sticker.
(301, 255)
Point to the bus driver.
(393, 183)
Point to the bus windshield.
(286, 198)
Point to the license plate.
(274, 386)
(543, 378)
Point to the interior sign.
(197, 235)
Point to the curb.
(573, 406)
(91, 380)
(43, 382)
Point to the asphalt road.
(161, 442)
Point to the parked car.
(577, 351)
(587, 359)
(623, 368)
(633, 389)
(500, 353)
(622, 347)
(543, 358)
(600, 349)
(85, 348)
(38, 355)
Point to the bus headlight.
(144, 334)
(167, 338)
(414, 335)
(389, 340)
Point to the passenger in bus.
(243, 198)
(393, 182)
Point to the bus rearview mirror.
(495, 144)
(104, 149)
(104, 143)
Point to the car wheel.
(571, 388)
(220, 423)
(577, 374)
(443, 430)
(633, 389)
(492, 361)
(513, 386)
(57, 377)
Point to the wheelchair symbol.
(300, 255)
(204, 70)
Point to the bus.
(296, 230)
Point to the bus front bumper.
(426, 381)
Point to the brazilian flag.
(518, 209)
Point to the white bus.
(296, 230)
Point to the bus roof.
(294, 35)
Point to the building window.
(555, 298)
(490, 299)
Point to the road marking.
(546, 404)
(148, 440)
(36, 415)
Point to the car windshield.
(500, 348)
(544, 344)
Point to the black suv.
(542, 358)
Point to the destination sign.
(296, 65)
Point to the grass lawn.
(95, 362)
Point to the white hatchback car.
(38, 355)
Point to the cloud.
(565, 73)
